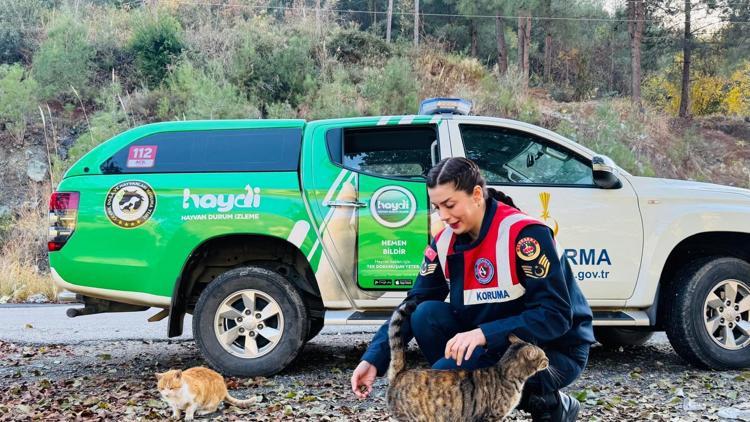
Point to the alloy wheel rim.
(726, 314)
(249, 324)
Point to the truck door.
(600, 230)
(368, 195)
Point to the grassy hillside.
(81, 75)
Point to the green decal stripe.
(332, 194)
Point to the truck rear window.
(398, 152)
(209, 151)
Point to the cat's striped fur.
(487, 394)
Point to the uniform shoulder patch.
(430, 253)
(528, 249)
(539, 269)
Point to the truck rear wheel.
(707, 315)
(621, 336)
(250, 322)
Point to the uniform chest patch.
(483, 270)
(528, 249)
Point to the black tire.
(316, 325)
(686, 313)
(621, 336)
(274, 286)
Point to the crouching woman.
(503, 274)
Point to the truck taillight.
(63, 213)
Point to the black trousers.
(433, 323)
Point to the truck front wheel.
(707, 315)
(250, 322)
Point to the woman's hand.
(362, 379)
(462, 345)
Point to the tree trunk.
(547, 41)
(374, 13)
(390, 21)
(686, 50)
(521, 32)
(474, 38)
(502, 49)
(523, 54)
(635, 28)
(527, 47)
(547, 57)
(416, 23)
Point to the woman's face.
(461, 211)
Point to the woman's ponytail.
(500, 196)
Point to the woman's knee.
(426, 311)
(430, 314)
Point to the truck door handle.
(353, 204)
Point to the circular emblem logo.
(130, 204)
(483, 270)
(528, 249)
(393, 206)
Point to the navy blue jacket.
(552, 313)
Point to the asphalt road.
(48, 324)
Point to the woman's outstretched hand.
(363, 378)
(462, 345)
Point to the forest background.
(662, 87)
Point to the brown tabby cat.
(196, 389)
(487, 394)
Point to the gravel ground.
(114, 381)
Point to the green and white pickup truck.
(267, 230)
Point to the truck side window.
(268, 149)
(401, 152)
(507, 156)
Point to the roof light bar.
(445, 106)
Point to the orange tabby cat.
(196, 389)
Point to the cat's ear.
(513, 339)
(178, 373)
(159, 375)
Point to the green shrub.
(337, 98)
(563, 94)
(156, 45)
(273, 68)
(607, 132)
(281, 111)
(109, 31)
(195, 94)
(392, 89)
(17, 98)
(506, 96)
(17, 22)
(353, 46)
(63, 60)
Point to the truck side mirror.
(605, 173)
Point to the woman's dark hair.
(464, 174)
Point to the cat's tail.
(395, 339)
(240, 403)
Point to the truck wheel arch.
(692, 248)
(222, 253)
